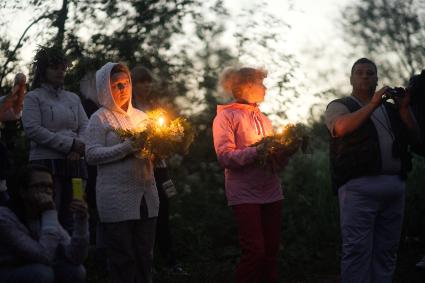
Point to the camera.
(393, 92)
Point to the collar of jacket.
(51, 89)
(237, 105)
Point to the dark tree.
(390, 31)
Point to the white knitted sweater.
(122, 179)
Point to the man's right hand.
(350, 122)
(377, 97)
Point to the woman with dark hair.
(34, 247)
(126, 196)
(253, 192)
(142, 80)
(54, 120)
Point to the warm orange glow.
(163, 136)
(161, 121)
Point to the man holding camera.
(369, 163)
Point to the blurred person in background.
(10, 109)
(142, 80)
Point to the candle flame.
(161, 121)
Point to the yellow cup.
(77, 188)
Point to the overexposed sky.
(315, 39)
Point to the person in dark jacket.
(34, 247)
(369, 164)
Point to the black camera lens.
(393, 92)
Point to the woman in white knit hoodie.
(126, 196)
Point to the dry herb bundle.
(285, 142)
(162, 138)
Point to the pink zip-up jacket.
(235, 128)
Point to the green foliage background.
(144, 32)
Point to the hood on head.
(103, 87)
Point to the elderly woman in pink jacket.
(253, 192)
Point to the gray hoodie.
(122, 178)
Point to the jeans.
(371, 216)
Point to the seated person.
(34, 247)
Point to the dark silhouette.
(369, 165)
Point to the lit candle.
(161, 121)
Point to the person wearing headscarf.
(126, 196)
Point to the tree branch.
(9, 59)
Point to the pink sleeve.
(224, 143)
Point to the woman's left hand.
(138, 142)
(78, 146)
(73, 156)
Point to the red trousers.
(259, 237)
